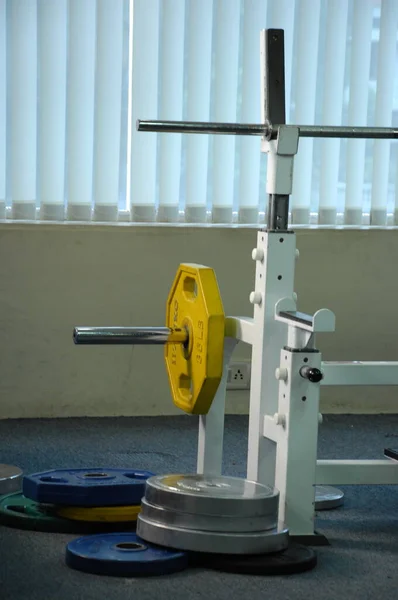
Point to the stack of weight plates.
(76, 500)
(212, 514)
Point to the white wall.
(54, 277)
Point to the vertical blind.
(75, 75)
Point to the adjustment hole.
(281, 240)
(279, 277)
(306, 360)
(284, 395)
(304, 398)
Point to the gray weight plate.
(10, 479)
(327, 497)
(212, 495)
(260, 542)
(208, 522)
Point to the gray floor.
(361, 562)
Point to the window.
(78, 73)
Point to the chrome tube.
(129, 335)
(267, 130)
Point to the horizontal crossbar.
(357, 472)
(267, 130)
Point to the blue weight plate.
(122, 555)
(87, 487)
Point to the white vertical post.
(80, 108)
(225, 106)
(23, 102)
(358, 105)
(198, 74)
(171, 73)
(211, 426)
(306, 62)
(3, 108)
(254, 20)
(108, 104)
(336, 28)
(275, 263)
(386, 70)
(144, 104)
(297, 438)
(52, 27)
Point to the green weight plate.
(22, 513)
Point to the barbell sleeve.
(129, 335)
(267, 130)
(202, 127)
(330, 131)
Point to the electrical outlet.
(239, 376)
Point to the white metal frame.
(284, 405)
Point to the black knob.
(312, 374)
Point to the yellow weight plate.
(100, 514)
(195, 369)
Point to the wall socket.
(239, 375)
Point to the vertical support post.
(297, 439)
(211, 426)
(272, 55)
(275, 263)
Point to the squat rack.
(287, 368)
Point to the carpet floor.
(360, 563)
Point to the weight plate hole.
(190, 288)
(130, 546)
(18, 509)
(185, 385)
(53, 479)
(96, 475)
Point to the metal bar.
(314, 131)
(273, 111)
(360, 373)
(129, 335)
(273, 76)
(278, 212)
(357, 472)
(330, 131)
(201, 127)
